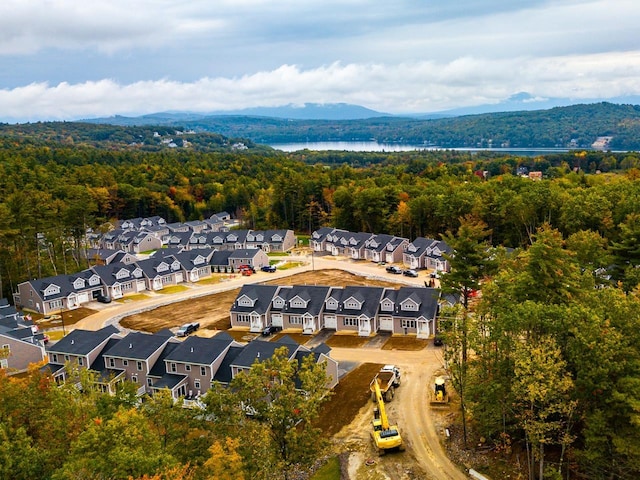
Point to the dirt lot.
(212, 311)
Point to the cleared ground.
(212, 311)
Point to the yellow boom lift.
(385, 436)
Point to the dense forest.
(546, 362)
(52, 192)
(576, 125)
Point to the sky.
(71, 59)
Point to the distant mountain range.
(600, 125)
(522, 101)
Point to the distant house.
(52, 294)
(385, 248)
(254, 257)
(121, 279)
(318, 240)
(427, 253)
(160, 272)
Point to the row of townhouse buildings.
(116, 279)
(21, 342)
(359, 309)
(146, 234)
(157, 361)
(420, 253)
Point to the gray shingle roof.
(82, 342)
(199, 350)
(137, 346)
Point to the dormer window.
(386, 305)
(331, 303)
(78, 283)
(278, 302)
(246, 301)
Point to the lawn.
(347, 341)
(329, 471)
(288, 265)
(172, 289)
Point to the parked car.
(103, 298)
(246, 268)
(187, 329)
(410, 273)
(270, 329)
(268, 268)
(394, 269)
(437, 341)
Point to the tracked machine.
(386, 437)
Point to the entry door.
(423, 329)
(256, 323)
(364, 327)
(308, 325)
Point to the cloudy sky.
(70, 59)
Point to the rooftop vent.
(130, 345)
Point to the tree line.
(547, 361)
(51, 194)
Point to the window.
(4, 363)
(112, 363)
(243, 318)
(408, 324)
(203, 371)
(174, 368)
(125, 363)
(55, 304)
(150, 382)
(80, 361)
(54, 358)
(196, 383)
(187, 368)
(6, 349)
(134, 378)
(139, 365)
(295, 320)
(66, 358)
(350, 322)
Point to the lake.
(396, 147)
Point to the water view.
(396, 147)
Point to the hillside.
(147, 138)
(573, 126)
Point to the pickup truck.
(394, 269)
(187, 329)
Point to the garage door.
(276, 320)
(179, 277)
(330, 322)
(386, 324)
(82, 298)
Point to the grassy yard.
(172, 289)
(278, 254)
(329, 471)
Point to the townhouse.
(357, 309)
(188, 369)
(385, 248)
(427, 253)
(21, 343)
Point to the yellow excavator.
(385, 436)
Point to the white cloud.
(70, 59)
(399, 88)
